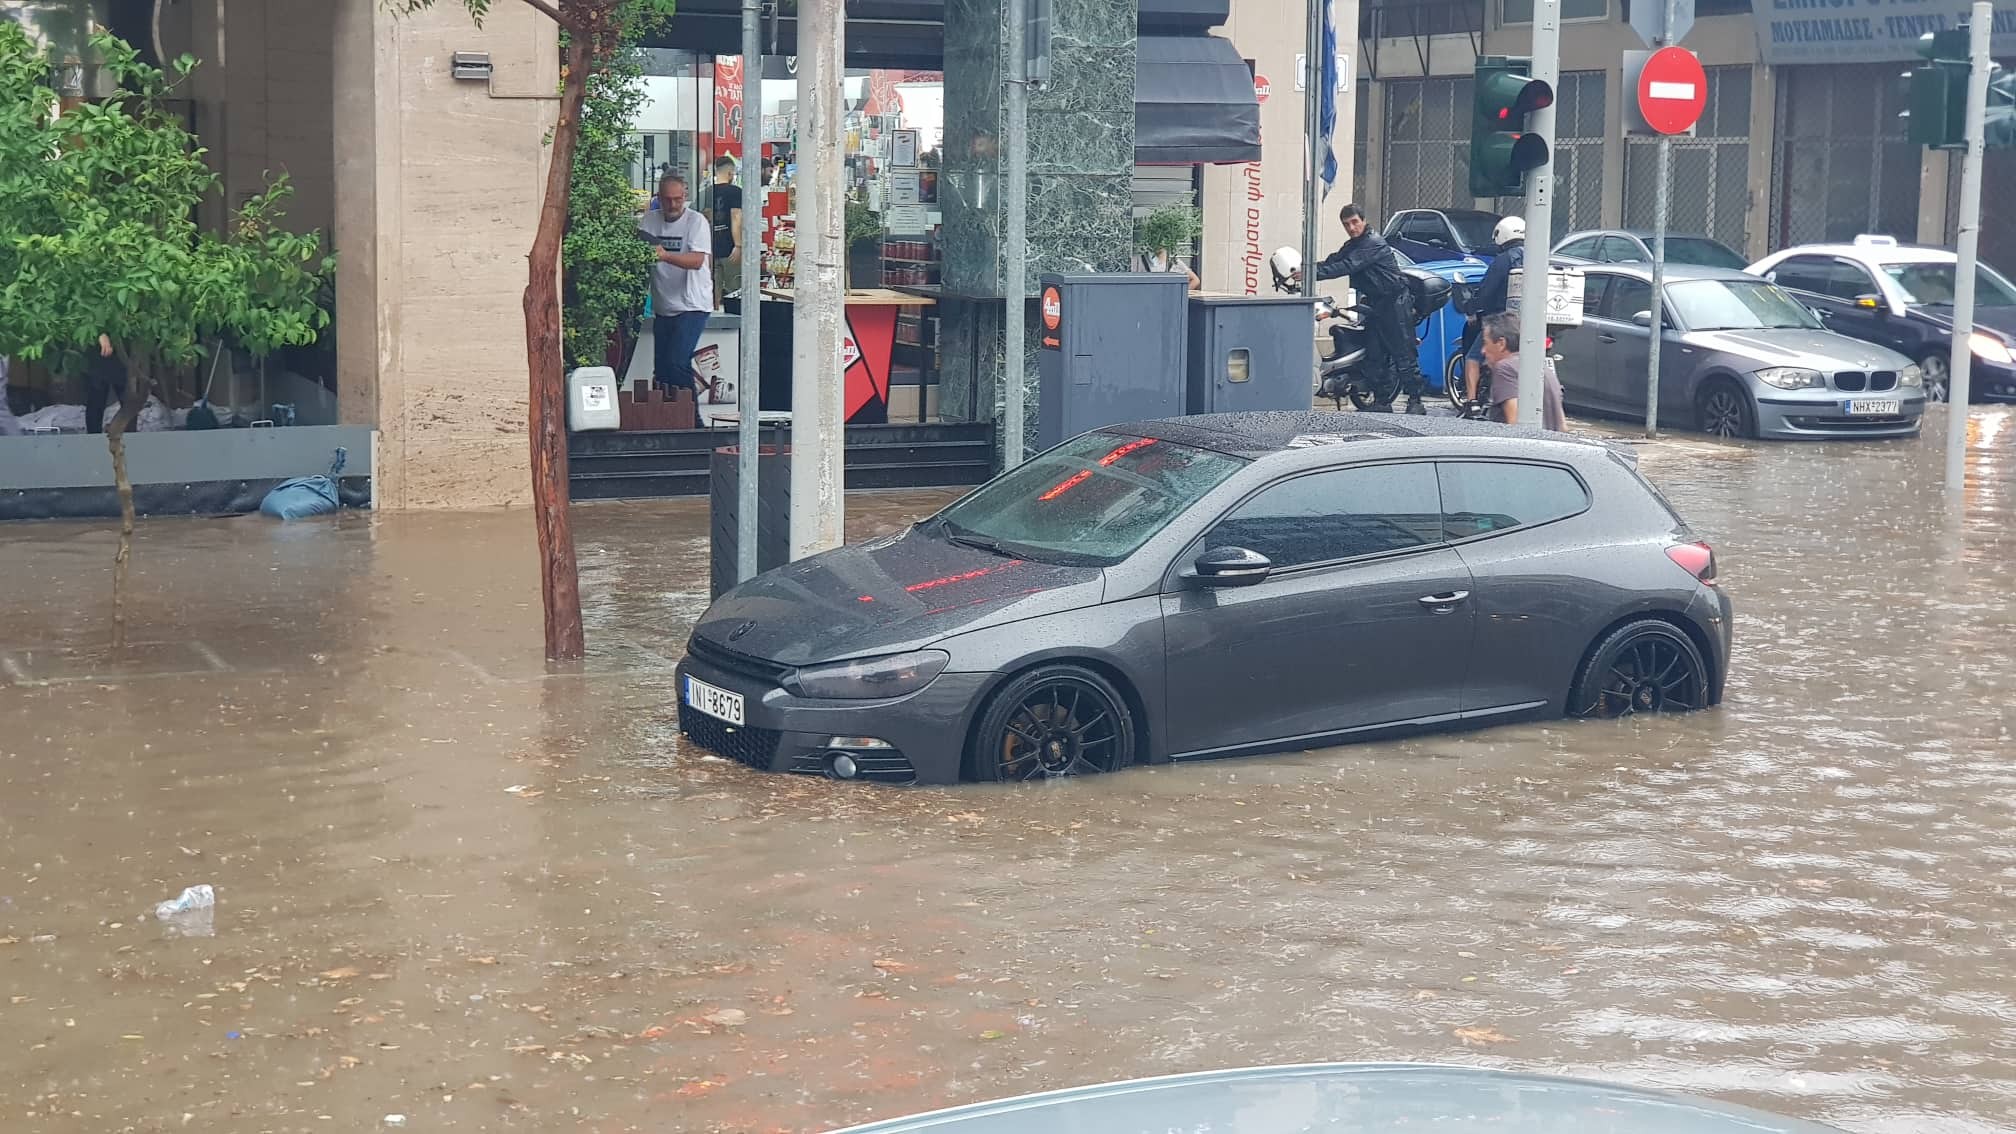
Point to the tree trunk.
(560, 583)
(138, 379)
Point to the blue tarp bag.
(305, 496)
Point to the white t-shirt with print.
(675, 289)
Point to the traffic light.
(1938, 104)
(1501, 149)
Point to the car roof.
(1256, 434)
(1872, 253)
(1674, 272)
(1644, 234)
(1453, 212)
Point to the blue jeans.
(674, 338)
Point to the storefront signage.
(904, 187)
(905, 152)
(908, 220)
(1053, 319)
(727, 106)
(1854, 31)
(1262, 88)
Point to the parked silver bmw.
(1741, 358)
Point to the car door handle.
(1444, 603)
(1606, 338)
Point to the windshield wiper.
(960, 535)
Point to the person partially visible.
(1375, 273)
(104, 379)
(727, 221)
(10, 426)
(1493, 295)
(682, 291)
(1164, 260)
(1500, 339)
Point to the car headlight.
(1911, 376)
(1790, 377)
(1989, 348)
(870, 678)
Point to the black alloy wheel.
(1726, 413)
(1452, 384)
(1644, 667)
(1053, 721)
(1938, 376)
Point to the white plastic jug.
(591, 399)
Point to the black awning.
(1193, 102)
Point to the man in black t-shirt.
(726, 217)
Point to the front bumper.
(926, 731)
(1988, 382)
(1793, 418)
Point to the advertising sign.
(1836, 31)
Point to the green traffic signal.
(1938, 90)
(1950, 45)
(1501, 148)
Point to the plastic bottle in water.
(193, 898)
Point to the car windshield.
(1474, 229)
(1737, 305)
(1702, 252)
(1093, 500)
(1931, 284)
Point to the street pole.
(818, 409)
(1661, 201)
(1015, 237)
(1981, 27)
(1312, 130)
(1539, 219)
(749, 382)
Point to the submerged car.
(1361, 1098)
(1739, 358)
(1215, 586)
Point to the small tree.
(608, 270)
(593, 34)
(98, 238)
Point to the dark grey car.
(1215, 586)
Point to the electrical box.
(1110, 348)
(1250, 353)
(591, 399)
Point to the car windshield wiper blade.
(960, 535)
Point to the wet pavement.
(456, 888)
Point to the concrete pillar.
(437, 190)
(1081, 168)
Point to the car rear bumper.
(1816, 418)
(925, 732)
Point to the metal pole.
(818, 410)
(1312, 141)
(1661, 202)
(749, 380)
(1015, 238)
(1539, 220)
(1980, 31)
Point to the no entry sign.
(1672, 90)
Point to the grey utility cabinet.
(1109, 349)
(1250, 353)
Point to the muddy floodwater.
(458, 892)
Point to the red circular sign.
(1262, 88)
(1053, 308)
(1672, 90)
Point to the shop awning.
(1193, 102)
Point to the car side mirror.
(1872, 303)
(1232, 567)
(1820, 313)
(1642, 318)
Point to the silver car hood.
(1815, 350)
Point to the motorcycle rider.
(1492, 297)
(1375, 273)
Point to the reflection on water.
(454, 887)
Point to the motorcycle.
(1344, 374)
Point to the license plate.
(1873, 407)
(715, 702)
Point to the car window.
(1804, 273)
(1094, 499)
(1849, 279)
(1626, 297)
(1702, 253)
(1593, 287)
(1481, 497)
(1932, 284)
(1340, 514)
(1620, 250)
(1584, 248)
(1737, 305)
(1475, 229)
(1425, 228)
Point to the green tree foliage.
(608, 269)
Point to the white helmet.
(1285, 262)
(1509, 230)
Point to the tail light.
(1697, 559)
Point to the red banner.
(865, 354)
(727, 106)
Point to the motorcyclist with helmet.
(1492, 297)
(1375, 273)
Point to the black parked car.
(1634, 246)
(1901, 296)
(1214, 586)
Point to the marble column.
(1081, 169)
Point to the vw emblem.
(736, 634)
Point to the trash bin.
(1110, 349)
(773, 515)
(1250, 353)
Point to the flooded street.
(455, 888)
